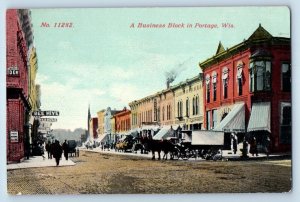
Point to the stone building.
(188, 103)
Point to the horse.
(168, 147)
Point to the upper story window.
(286, 77)
(240, 67)
(163, 113)
(225, 82)
(260, 71)
(207, 81)
(194, 105)
(214, 84)
(187, 107)
(179, 109)
(197, 104)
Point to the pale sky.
(104, 62)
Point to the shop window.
(286, 77)
(208, 120)
(285, 123)
(214, 118)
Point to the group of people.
(55, 150)
(265, 143)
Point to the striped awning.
(102, 138)
(150, 127)
(234, 121)
(163, 133)
(260, 117)
(207, 137)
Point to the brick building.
(18, 42)
(122, 121)
(247, 89)
(93, 128)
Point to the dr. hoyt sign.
(45, 113)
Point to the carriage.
(202, 144)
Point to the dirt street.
(96, 173)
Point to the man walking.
(57, 152)
(65, 148)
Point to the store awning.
(176, 126)
(150, 127)
(260, 117)
(101, 138)
(163, 133)
(234, 121)
(207, 137)
(187, 136)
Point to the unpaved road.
(96, 173)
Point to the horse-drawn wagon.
(204, 144)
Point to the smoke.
(174, 72)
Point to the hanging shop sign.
(45, 113)
(48, 119)
(13, 71)
(14, 136)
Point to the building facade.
(241, 93)
(18, 42)
(93, 128)
(109, 128)
(34, 97)
(122, 121)
(165, 105)
(101, 123)
(188, 103)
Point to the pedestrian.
(245, 149)
(267, 145)
(65, 147)
(48, 149)
(234, 143)
(253, 147)
(57, 152)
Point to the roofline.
(238, 47)
(172, 88)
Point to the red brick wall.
(123, 123)
(275, 96)
(17, 86)
(95, 126)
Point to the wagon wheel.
(175, 154)
(185, 155)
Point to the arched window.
(225, 82)
(163, 113)
(214, 83)
(187, 103)
(240, 66)
(197, 105)
(207, 81)
(194, 105)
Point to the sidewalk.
(38, 161)
(226, 154)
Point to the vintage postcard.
(148, 100)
